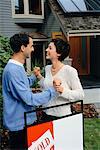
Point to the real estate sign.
(62, 134)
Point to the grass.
(92, 134)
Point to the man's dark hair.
(17, 40)
(62, 47)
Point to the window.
(93, 5)
(80, 5)
(19, 7)
(37, 7)
(28, 8)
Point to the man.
(17, 95)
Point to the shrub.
(5, 53)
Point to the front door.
(80, 53)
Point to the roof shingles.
(91, 22)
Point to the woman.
(69, 87)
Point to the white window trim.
(26, 10)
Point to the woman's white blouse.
(72, 89)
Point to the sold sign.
(45, 142)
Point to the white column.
(28, 65)
(68, 61)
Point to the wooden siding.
(7, 23)
(50, 23)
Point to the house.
(75, 20)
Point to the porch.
(89, 82)
(91, 86)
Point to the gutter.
(72, 33)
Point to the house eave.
(36, 36)
(40, 40)
(72, 33)
(27, 20)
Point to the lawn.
(92, 134)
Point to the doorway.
(37, 55)
(95, 56)
(80, 54)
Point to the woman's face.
(51, 52)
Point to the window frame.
(26, 11)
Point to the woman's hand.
(57, 85)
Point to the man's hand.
(57, 85)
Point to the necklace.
(54, 70)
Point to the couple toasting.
(61, 84)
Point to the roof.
(38, 36)
(75, 25)
(80, 6)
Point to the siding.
(50, 23)
(7, 24)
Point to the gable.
(76, 24)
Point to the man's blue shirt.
(18, 97)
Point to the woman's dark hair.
(62, 47)
(17, 40)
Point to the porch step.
(92, 96)
(97, 105)
(91, 86)
(90, 82)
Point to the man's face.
(29, 48)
